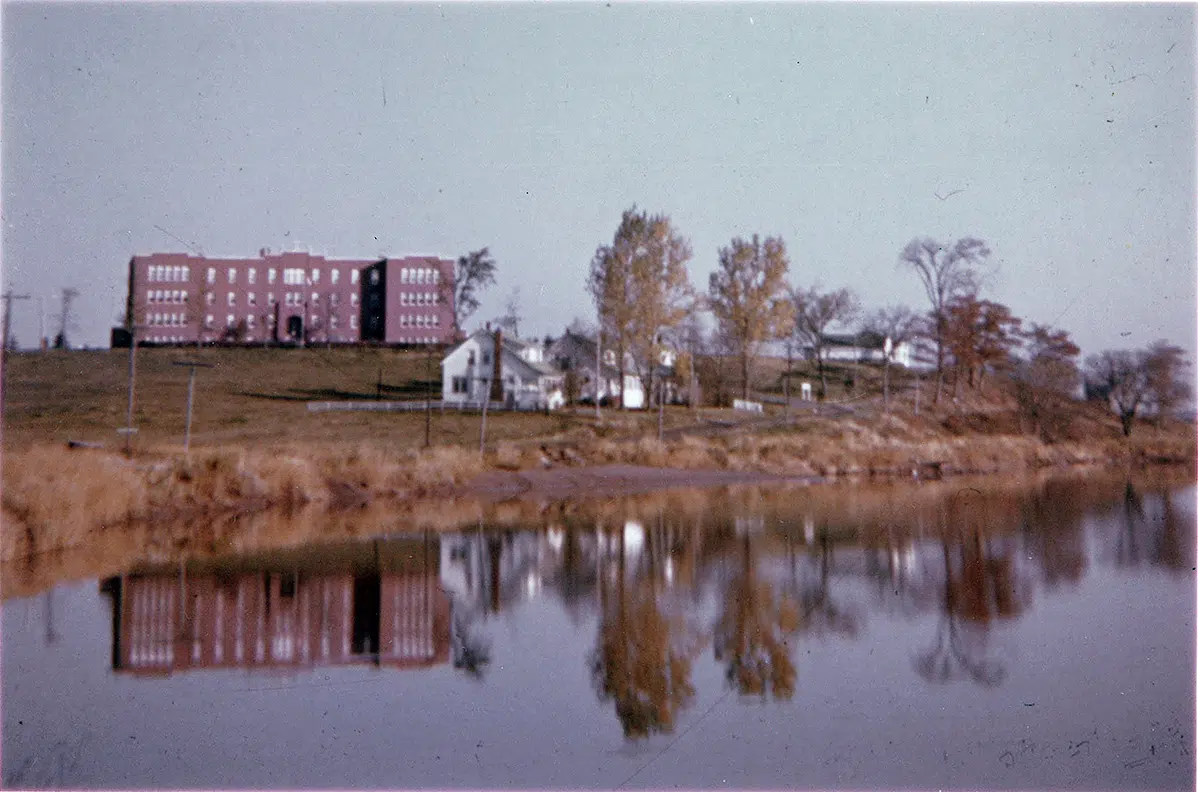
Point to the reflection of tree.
(639, 660)
(752, 630)
(822, 615)
(1141, 538)
(978, 588)
(1052, 532)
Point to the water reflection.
(653, 588)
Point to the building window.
(212, 274)
(436, 276)
(353, 276)
(334, 299)
(420, 275)
(186, 273)
(251, 299)
(229, 320)
(403, 275)
(486, 358)
(270, 298)
(270, 275)
(315, 275)
(315, 298)
(293, 276)
(252, 275)
(353, 322)
(436, 320)
(231, 298)
(232, 274)
(470, 358)
(459, 384)
(335, 275)
(333, 321)
(209, 298)
(374, 277)
(209, 320)
(353, 300)
(183, 296)
(249, 322)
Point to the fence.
(415, 406)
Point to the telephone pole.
(8, 297)
(68, 295)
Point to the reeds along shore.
(55, 498)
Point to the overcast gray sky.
(1061, 134)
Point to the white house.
(528, 382)
(577, 353)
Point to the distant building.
(518, 376)
(290, 298)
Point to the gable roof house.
(577, 353)
(518, 376)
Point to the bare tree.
(474, 272)
(897, 325)
(510, 320)
(747, 296)
(946, 271)
(1118, 376)
(814, 313)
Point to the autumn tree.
(640, 286)
(980, 335)
(814, 313)
(947, 271)
(473, 272)
(899, 325)
(1165, 368)
(747, 296)
(1045, 378)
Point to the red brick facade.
(177, 298)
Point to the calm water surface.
(956, 637)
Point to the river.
(963, 634)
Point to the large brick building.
(294, 297)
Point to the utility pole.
(599, 372)
(68, 296)
(482, 432)
(192, 365)
(8, 297)
(428, 397)
(786, 384)
(128, 429)
(41, 323)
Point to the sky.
(1061, 134)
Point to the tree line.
(646, 302)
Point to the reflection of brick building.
(164, 621)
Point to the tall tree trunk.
(823, 378)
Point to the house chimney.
(497, 374)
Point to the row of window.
(420, 298)
(421, 340)
(164, 273)
(290, 298)
(166, 319)
(419, 320)
(292, 276)
(419, 275)
(269, 321)
(163, 296)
